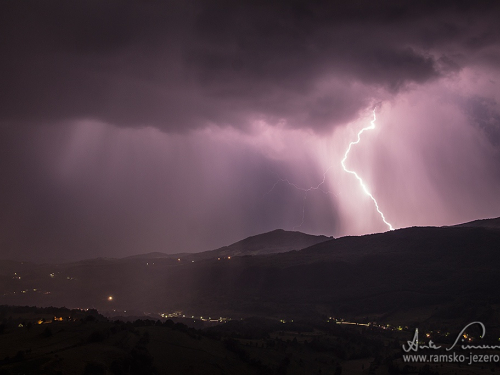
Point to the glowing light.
(365, 188)
(110, 298)
(305, 190)
(317, 187)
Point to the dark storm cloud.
(484, 113)
(78, 78)
(182, 65)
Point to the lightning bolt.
(305, 190)
(365, 188)
(317, 187)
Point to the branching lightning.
(318, 186)
(365, 188)
(305, 190)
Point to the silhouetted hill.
(276, 241)
(401, 270)
(155, 255)
(484, 223)
(60, 341)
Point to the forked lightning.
(365, 188)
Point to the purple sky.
(129, 127)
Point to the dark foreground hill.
(56, 341)
(62, 341)
(449, 270)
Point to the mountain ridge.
(373, 274)
(275, 241)
(485, 223)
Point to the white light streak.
(365, 188)
(305, 190)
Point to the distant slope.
(397, 270)
(484, 223)
(276, 241)
(155, 255)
